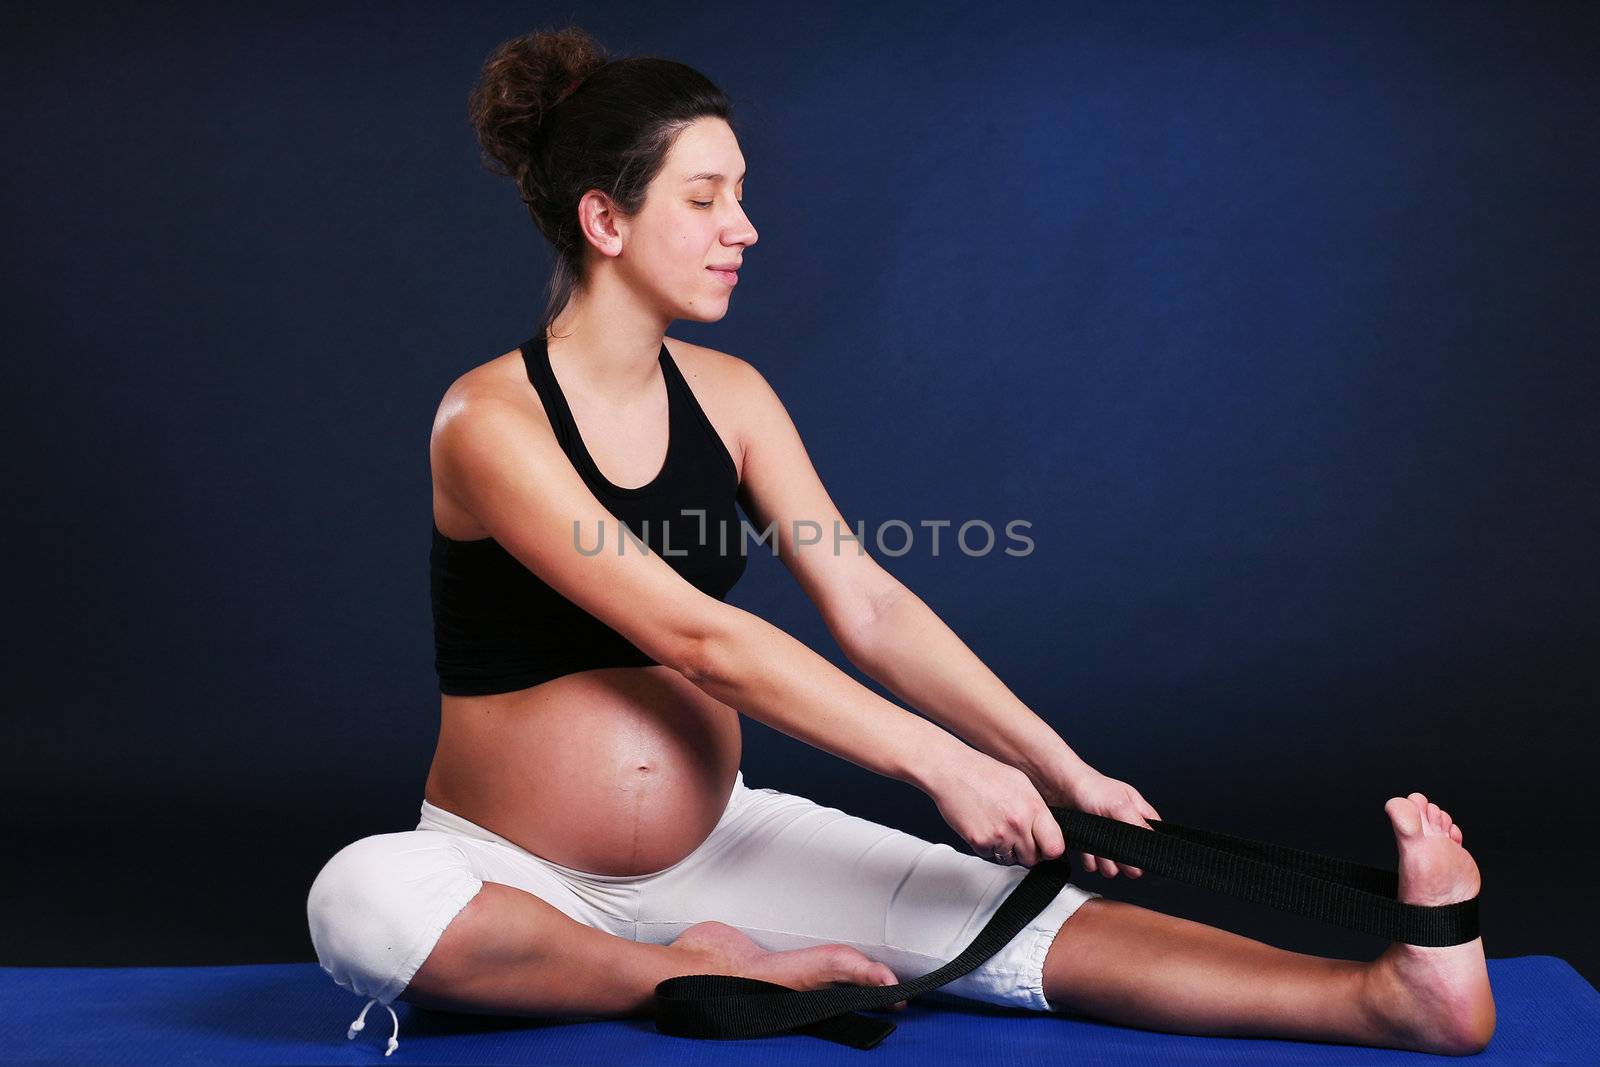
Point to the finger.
(1010, 853)
(1047, 832)
(1135, 872)
(1131, 811)
(1088, 862)
(1128, 813)
(1149, 812)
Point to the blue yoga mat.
(291, 1013)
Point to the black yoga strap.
(1319, 887)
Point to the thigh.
(378, 907)
(791, 873)
(605, 903)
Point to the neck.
(608, 343)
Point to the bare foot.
(1433, 998)
(727, 950)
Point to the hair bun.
(521, 82)
(568, 56)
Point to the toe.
(1433, 816)
(888, 977)
(1455, 834)
(1403, 813)
(848, 965)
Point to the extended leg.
(1136, 967)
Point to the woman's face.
(691, 222)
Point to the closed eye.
(708, 203)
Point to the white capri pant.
(786, 871)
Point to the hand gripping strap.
(1319, 887)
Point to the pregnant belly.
(620, 771)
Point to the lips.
(728, 275)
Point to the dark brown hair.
(553, 112)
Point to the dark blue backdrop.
(1276, 321)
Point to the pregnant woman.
(586, 832)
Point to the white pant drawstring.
(361, 1022)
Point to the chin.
(705, 313)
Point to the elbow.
(859, 635)
(859, 652)
(709, 655)
(854, 622)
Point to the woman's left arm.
(884, 628)
(915, 655)
(919, 658)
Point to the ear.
(602, 227)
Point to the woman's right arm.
(504, 466)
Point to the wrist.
(1058, 772)
(941, 756)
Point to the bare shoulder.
(494, 397)
(502, 380)
(719, 370)
(725, 386)
(752, 407)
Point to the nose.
(743, 235)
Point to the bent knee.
(378, 906)
(502, 930)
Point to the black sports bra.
(498, 627)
